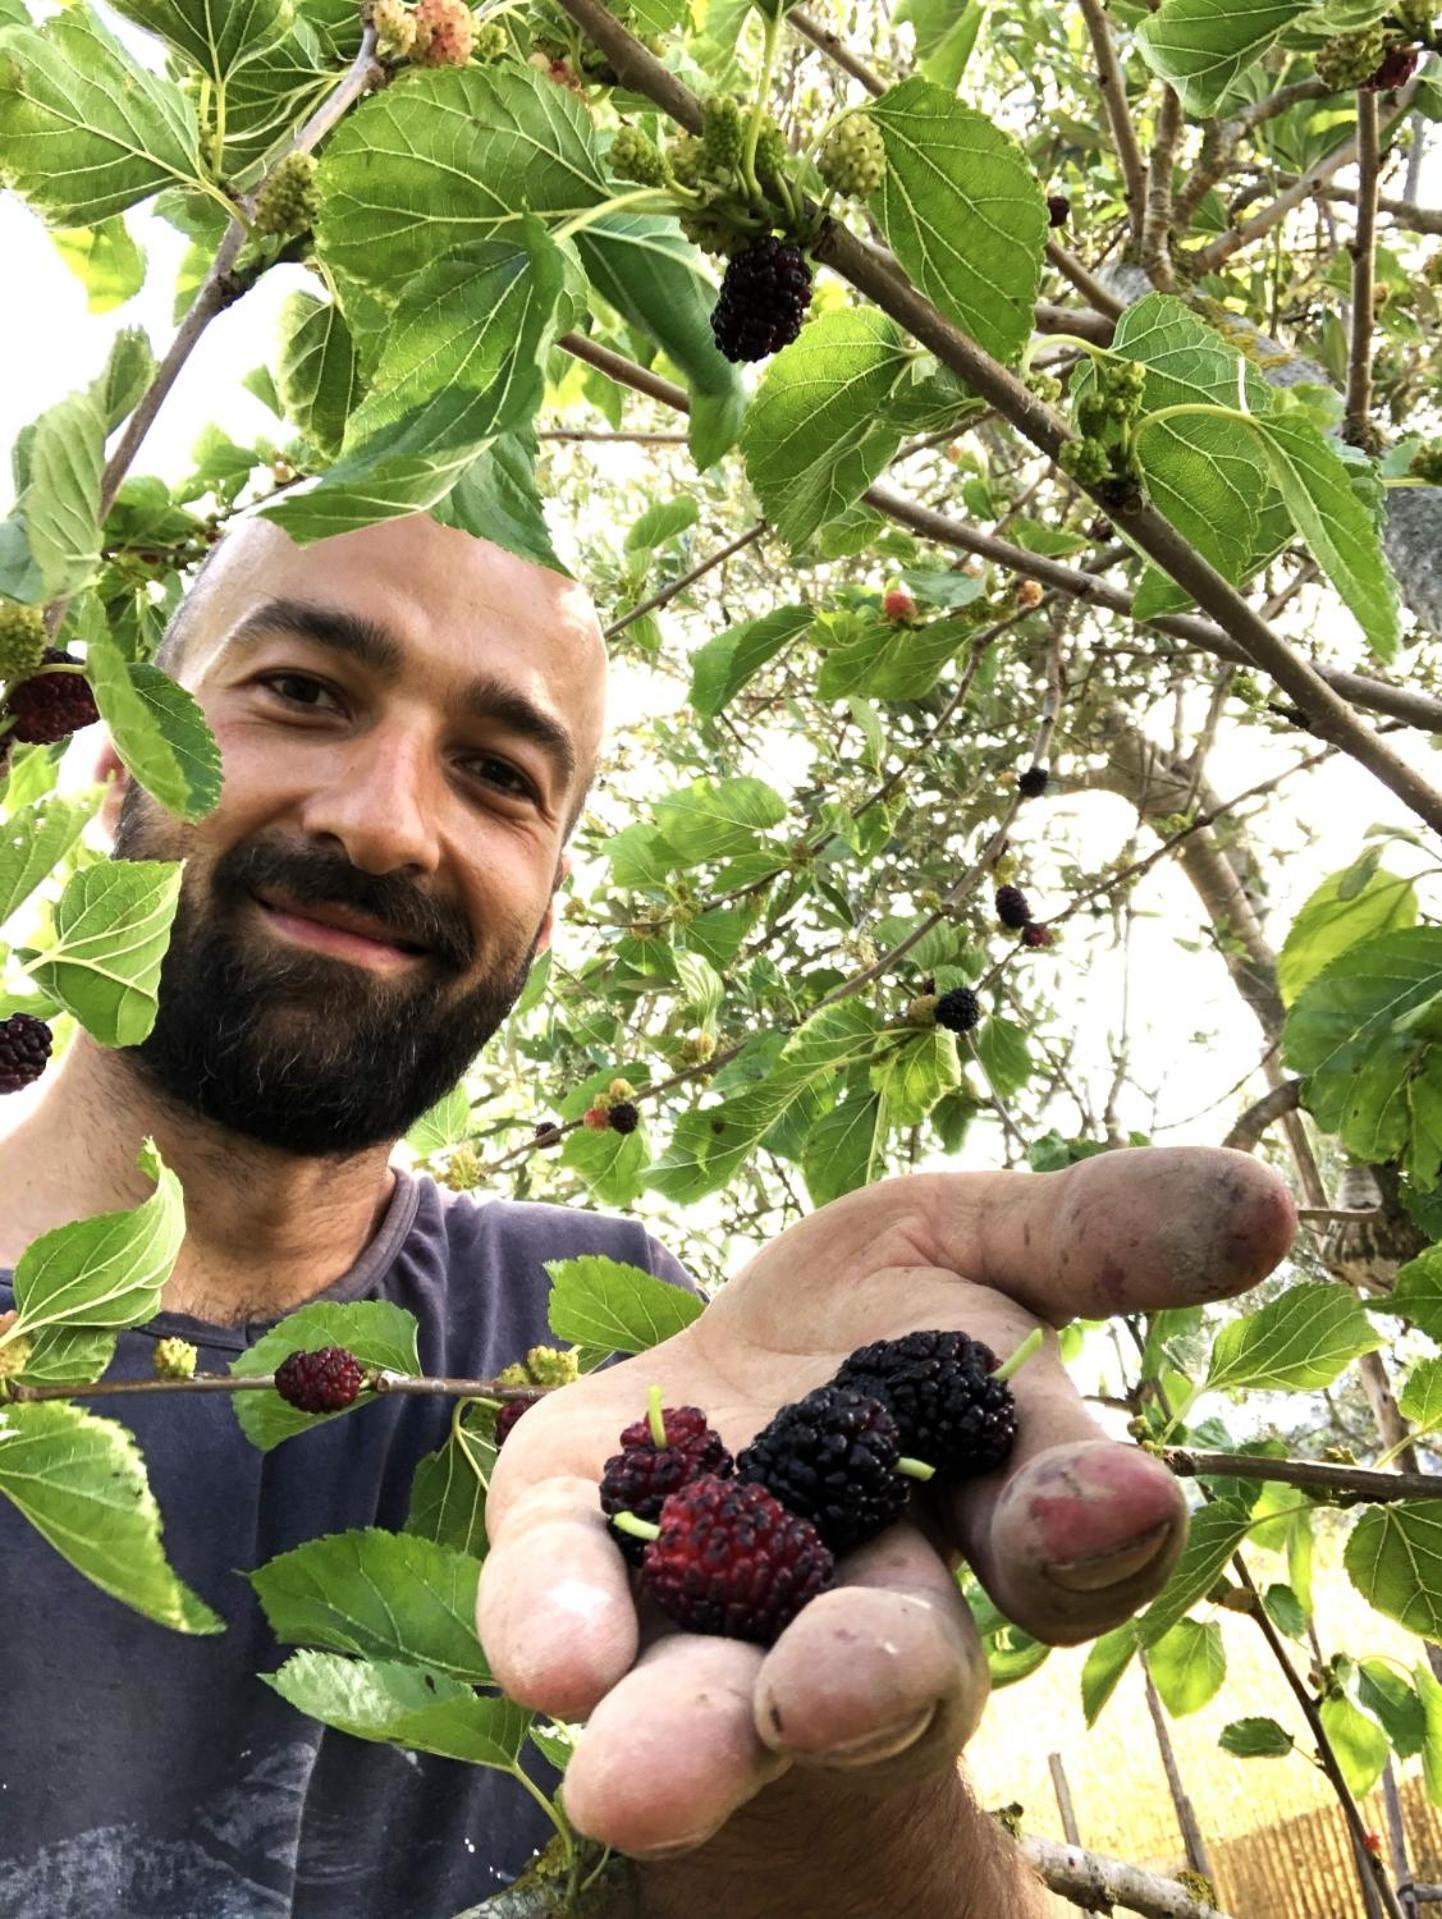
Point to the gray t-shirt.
(145, 1774)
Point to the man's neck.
(265, 1230)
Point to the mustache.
(317, 878)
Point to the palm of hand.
(886, 1670)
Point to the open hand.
(886, 1671)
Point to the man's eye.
(298, 689)
(500, 773)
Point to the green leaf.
(447, 1123)
(1256, 1739)
(1429, 1691)
(1284, 1609)
(448, 1493)
(1105, 1663)
(842, 1148)
(1359, 1743)
(655, 281)
(812, 439)
(111, 929)
(81, 1483)
(1216, 1533)
(1202, 46)
(1300, 1342)
(1343, 1034)
(597, 1301)
(497, 499)
(60, 504)
(911, 1077)
(1394, 1559)
(128, 372)
(1420, 1399)
(946, 36)
(395, 1704)
(68, 1356)
(1417, 1293)
(662, 522)
(1188, 1664)
(612, 1164)
(381, 1594)
(157, 729)
(214, 35)
(33, 840)
(108, 1270)
(878, 659)
(440, 162)
(717, 819)
(106, 261)
(86, 131)
(1005, 1058)
(317, 375)
(1384, 1692)
(376, 1331)
(721, 667)
(962, 209)
(1337, 528)
(1334, 919)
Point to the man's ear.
(563, 873)
(110, 771)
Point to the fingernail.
(879, 1745)
(1110, 1569)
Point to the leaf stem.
(758, 108)
(659, 198)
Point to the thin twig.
(383, 1382)
(1085, 282)
(1209, 258)
(1096, 1883)
(1157, 216)
(1220, 141)
(835, 48)
(634, 439)
(1405, 212)
(1357, 420)
(703, 567)
(1345, 1484)
(625, 372)
(1114, 95)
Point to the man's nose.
(379, 805)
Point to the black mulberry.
(959, 1010)
(49, 706)
(831, 1457)
(939, 1388)
(24, 1049)
(1012, 908)
(763, 301)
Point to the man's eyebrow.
(486, 697)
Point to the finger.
(555, 1614)
(1075, 1531)
(1122, 1232)
(672, 1751)
(889, 1663)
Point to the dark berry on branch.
(642, 1476)
(24, 1049)
(763, 300)
(49, 706)
(1058, 209)
(1033, 782)
(625, 1116)
(326, 1381)
(959, 1010)
(1012, 908)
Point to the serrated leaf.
(448, 1494)
(1004, 1055)
(1429, 1691)
(912, 1076)
(383, 1595)
(86, 131)
(881, 660)
(1187, 1665)
(596, 1301)
(1337, 529)
(1203, 46)
(962, 209)
(721, 667)
(1216, 1533)
(440, 162)
(1359, 1743)
(33, 840)
(157, 729)
(68, 1356)
(111, 928)
(395, 1704)
(1105, 1663)
(214, 35)
(812, 440)
(446, 1123)
(107, 1270)
(105, 260)
(1299, 1342)
(81, 1483)
(717, 819)
(1255, 1739)
(1339, 916)
(842, 1148)
(1417, 1293)
(1342, 1033)
(497, 499)
(612, 1164)
(376, 1331)
(1384, 1692)
(317, 374)
(1420, 1399)
(1394, 1559)
(60, 503)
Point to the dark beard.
(295, 1049)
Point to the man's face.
(407, 717)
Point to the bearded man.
(409, 720)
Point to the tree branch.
(1406, 213)
(1157, 215)
(1344, 1485)
(835, 48)
(1210, 258)
(1246, 1132)
(1220, 141)
(1357, 420)
(1086, 284)
(1097, 1883)
(703, 567)
(1114, 95)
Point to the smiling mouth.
(336, 931)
